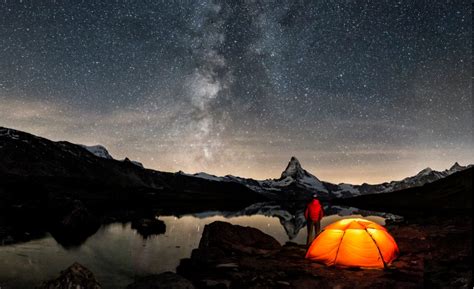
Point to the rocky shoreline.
(436, 252)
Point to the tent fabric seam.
(377, 246)
(339, 246)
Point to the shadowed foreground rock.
(237, 238)
(435, 253)
(166, 280)
(74, 225)
(74, 277)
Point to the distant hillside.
(453, 192)
(34, 169)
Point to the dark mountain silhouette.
(34, 169)
(452, 193)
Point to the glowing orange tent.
(354, 243)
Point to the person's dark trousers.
(310, 226)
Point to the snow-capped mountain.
(295, 174)
(98, 150)
(297, 183)
(425, 176)
(294, 183)
(102, 152)
(25, 154)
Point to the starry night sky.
(359, 91)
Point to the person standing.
(313, 214)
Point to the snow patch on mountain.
(347, 188)
(424, 172)
(139, 164)
(209, 177)
(98, 151)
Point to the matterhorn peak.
(293, 169)
(456, 167)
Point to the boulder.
(147, 227)
(166, 280)
(228, 238)
(74, 226)
(79, 218)
(436, 252)
(76, 276)
(221, 243)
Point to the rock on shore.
(74, 277)
(436, 253)
(235, 238)
(74, 225)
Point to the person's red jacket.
(314, 211)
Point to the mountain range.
(57, 167)
(34, 171)
(296, 182)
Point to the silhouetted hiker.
(313, 214)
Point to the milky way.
(357, 90)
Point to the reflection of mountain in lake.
(291, 215)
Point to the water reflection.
(117, 253)
(291, 215)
